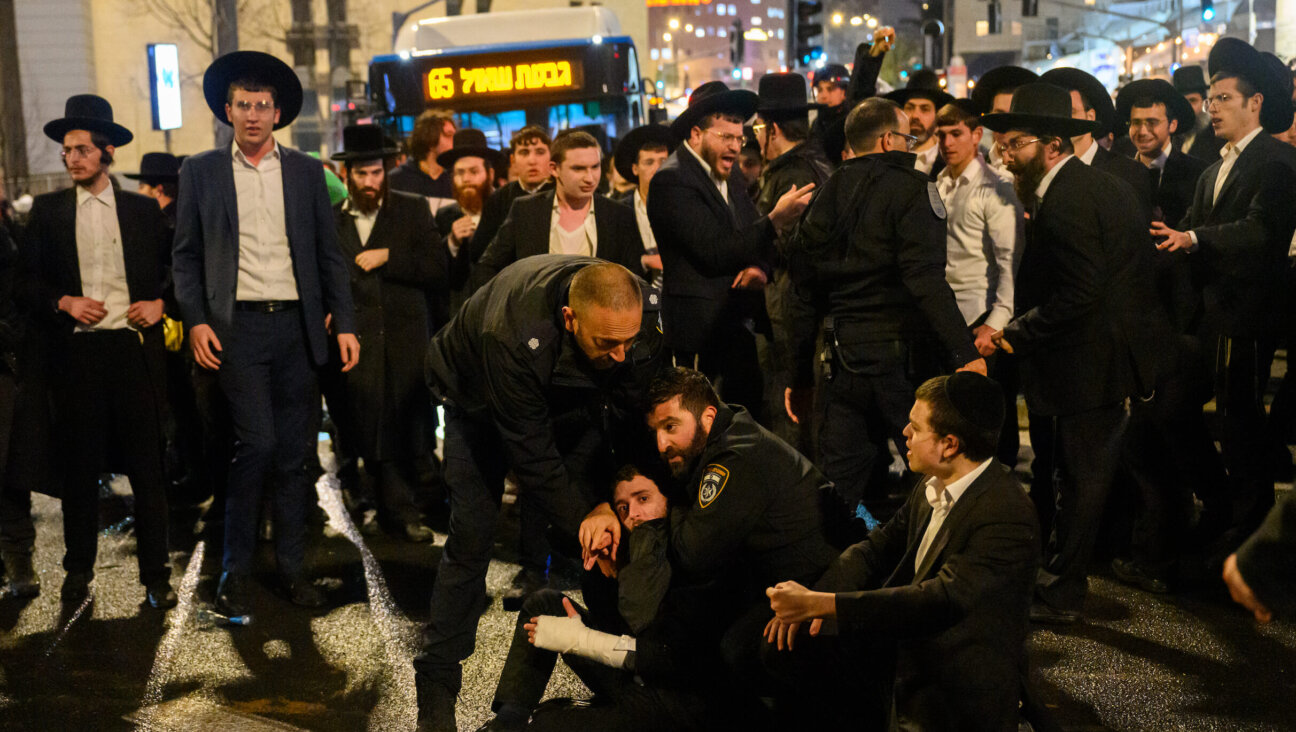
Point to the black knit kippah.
(977, 399)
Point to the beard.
(690, 454)
(917, 130)
(1027, 177)
(366, 200)
(471, 198)
(712, 157)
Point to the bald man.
(541, 366)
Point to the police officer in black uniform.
(536, 371)
(869, 254)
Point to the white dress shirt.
(923, 161)
(942, 499)
(100, 258)
(582, 241)
(1047, 180)
(722, 185)
(985, 228)
(1087, 157)
(645, 229)
(265, 260)
(364, 222)
(1228, 158)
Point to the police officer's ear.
(707, 418)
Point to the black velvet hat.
(364, 142)
(1269, 78)
(1190, 79)
(157, 167)
(1042, 108)
(261, 67)
(923, 84)
(999, 79)
(711, 98)
(1160, 90)
(783, 95)
(977, 399)
(91, 113)
(470, 142)
(1073, 79)
(628, 147)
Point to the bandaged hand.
(570, 635)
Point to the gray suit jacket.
(206, 248)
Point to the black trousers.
(111, 415)
(1076, 459)
(1240, 374)
(17, 533)
(623, 701)
(267, 376)
(217, 434)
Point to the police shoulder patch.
(933, 196)
(713, 481)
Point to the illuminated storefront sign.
(458, 81)
(670, 3)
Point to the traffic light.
(1208, 10)
(807, 29)
(737, 44)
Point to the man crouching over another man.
(947, 582)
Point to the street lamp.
(837, 19)
(674, 24)
(872, 22)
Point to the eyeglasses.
(728, 139)
(80, 151)
(1151, 124)
(909, 140)
(758, 128)
(1015, 145)
(1219, 99)
(261, 107)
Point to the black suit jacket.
(1088, 329)
(1132, 172)
(525, 233)
(50, 250)
(704, 244)
(206, 252)
(1206, 146)
(1242, 239)
(961, 619)
(1174, 194)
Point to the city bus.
(559, 68)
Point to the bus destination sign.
(500, 74)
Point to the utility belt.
(862, 351)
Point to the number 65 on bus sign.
(495, 79)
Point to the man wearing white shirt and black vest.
(985, 236)
(98, 258)
(1236, 236)
(261, 282)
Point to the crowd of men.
(696, 380)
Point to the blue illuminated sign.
(164, 85)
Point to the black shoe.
(22, 578)
(1132, 573)
(304, 593)
(417, 532)
(160, 596)
(524, 583)
(76, 587)
(1045, 614)
(232, 595)
(436, 705)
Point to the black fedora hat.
(627, 149)
(1271, 79)
(1190, 79)
(157, 167)
(997, 80)
(91, 113)
(923, 84)
(1159, 90)
(783, 94)
(364, 142)
(1042, 108)
(710, 98)
(1073, 79)
(470, 142)
(257, 66)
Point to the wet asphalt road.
(1140, 662)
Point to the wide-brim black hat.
(997, 80)
(1042, 108)
(1091, 89)
(470, 143)
(1160, 90)
(627, 149)
(257, 66)
(711, 98)
(1271, 79)
(783, 94)
(938, 97)
(157, 167)
(91, 113)
(1190, 79)
(364, 142)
